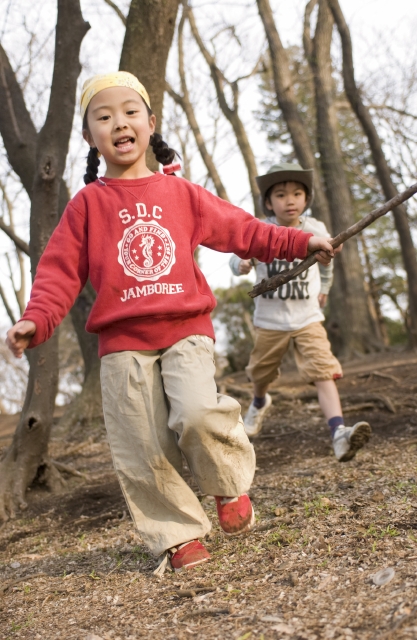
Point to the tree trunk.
(373, 294)
(150, 27)
(27, 456)
(21, 153)
(348, 300)
(287, 102)
(382, 168)
(231, 113)
(86, 409)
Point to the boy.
(293, 312)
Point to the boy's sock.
(258, 403)
(335, 422)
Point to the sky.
(379, 30)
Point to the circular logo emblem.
(146, 251)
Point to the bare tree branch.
(21, 148)
(284, 89)
(115, 8)
(230, 112)
(383, 170)
(20, 244)
(9, 311)
(307, 42)
(184, 102)
(401, 112)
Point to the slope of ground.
(72, 567)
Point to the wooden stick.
(27, 578)
(205, 612)
(289, 274)
(191, 593)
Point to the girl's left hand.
(325, 249)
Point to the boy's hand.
(19, 336)
(244, 267)
(322, 300)
(326, 251)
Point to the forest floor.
(72, 567)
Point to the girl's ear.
(88, 137)
(268, 204)
(152, 123)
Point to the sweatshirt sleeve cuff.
(301, 244)
(41, 329)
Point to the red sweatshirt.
(135, 240)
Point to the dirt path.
(71, 566)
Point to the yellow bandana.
(119, 79)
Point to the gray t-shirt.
(295, 304)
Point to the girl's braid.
(92, 166)
(162, 152)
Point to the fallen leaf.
(284, 628)
(202, 597)
(383, 576)
(377, 497)
(294, 579)
(320, 543)
(270, 619)
(324, 583)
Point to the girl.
(133, 233)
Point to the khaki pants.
(312, 352)
(158, 404)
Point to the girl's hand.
(244, 267)
(19, 336)
(325, 249)
(322, 300)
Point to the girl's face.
(120, 127)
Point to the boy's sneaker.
(253, 419)
(236, 515)
(188, 555)
(348, 440)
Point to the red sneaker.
(188, 555)
(236, 515)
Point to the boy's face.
(287, 200)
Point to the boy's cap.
(285, 172)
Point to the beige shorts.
(312, 350)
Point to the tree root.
(363, 400)
(86, 409)
(13, 485)
(68, 469)
(357, 408)
(27, 578)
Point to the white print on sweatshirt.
(146, 251)
(295, 304)
(152, 289)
